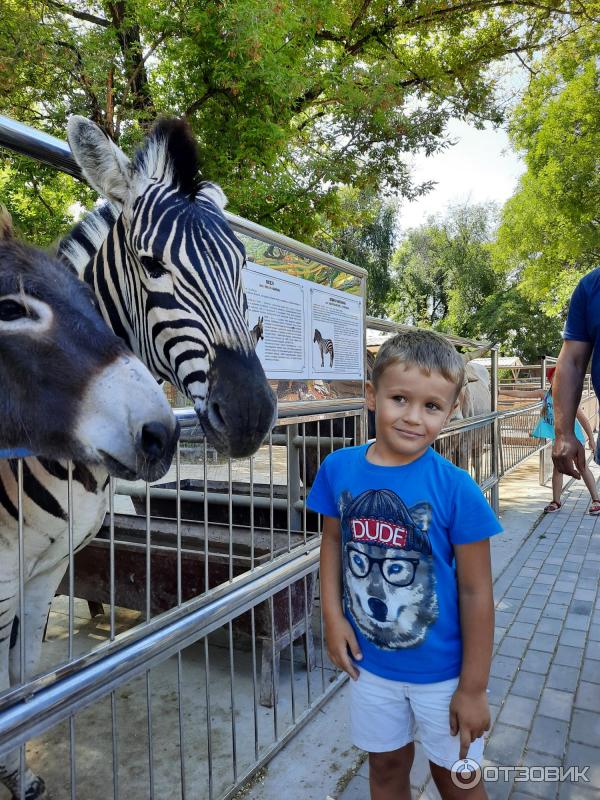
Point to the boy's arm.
(338, 631)
(469, 711)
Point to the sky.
(480, 167)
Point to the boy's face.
(411, 408)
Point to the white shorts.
(385, 715)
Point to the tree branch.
(79, 14)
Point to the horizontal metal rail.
(46, 701)
(28, 141)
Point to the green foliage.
(290, 101)
(444, 271)
(550, 232)
(363, 232)
(445, 279)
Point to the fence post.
(544, 450)
(496, 441)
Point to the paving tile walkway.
(545, 677)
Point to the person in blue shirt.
(405, 575)
(581, 341)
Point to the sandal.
(555, 505)
(594, 508)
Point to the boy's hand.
(469, 716)
(340, 637)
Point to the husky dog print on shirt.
(389, 580)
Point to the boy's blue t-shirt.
(399, 525)
(583, 319)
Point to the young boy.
(405, 541)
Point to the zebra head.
(167, 270)
(69, 388)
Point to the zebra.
(325, 346)
(69, 389)
(166, 268)
(166, 271)
(258, 331)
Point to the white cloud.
(480, 167)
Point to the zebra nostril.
(154, 440)
(216, 417)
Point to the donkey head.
(167, 271)
(69, 388)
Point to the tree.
(550, 232)
(445, 278)
(444, 271)
(290, 101)
(363, 232)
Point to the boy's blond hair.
(427, 350)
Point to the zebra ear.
(106, 168)
(214, 193)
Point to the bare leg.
(448, 790)
(590, 482)
(389, 773)
(557, 482)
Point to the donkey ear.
(214, 193)
(106, 168)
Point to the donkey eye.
(11, 310)
(153, 266)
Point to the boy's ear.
(370, 395)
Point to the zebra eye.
(153, 266)
(11, 310)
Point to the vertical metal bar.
(254, 682)
(150, 738)
(321, 636)
(289, 485)
(208, 720)
(271, 504)
(206, 575)
(232, 695)
(72, 773)
(71, 557)
(230, 518)
(181, 732)
(178, 519)
(274, 671)
(22, 633)
(111, 550)
(294, 496)
(21, 545)
(304, 488)
(113, 696)
(115, 747)
(319, 520)
(307, 623)
(292, 675)
(496, 443)
(252, 532)
(148, 552)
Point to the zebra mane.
(86, 238)
(170, 154)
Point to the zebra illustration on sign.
(69, 389)
(325, 346)
(258, 331)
